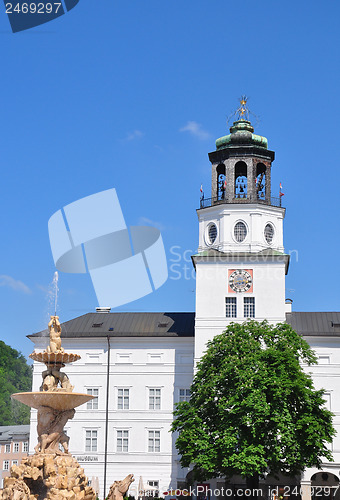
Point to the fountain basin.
(56, 400)
(57, 358)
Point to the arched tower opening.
(324, 485)
(221, 176)
(241, 180)
(260, 181)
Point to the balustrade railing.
(209, 202)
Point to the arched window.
(260, 181)
(241, 181)
(220, 171)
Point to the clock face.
(241, 280)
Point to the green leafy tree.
(15, 376)
(253, 409)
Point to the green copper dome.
(241, 133)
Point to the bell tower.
(240, 264)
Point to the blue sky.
(102, 97)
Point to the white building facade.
(138, 365)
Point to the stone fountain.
(52, 473)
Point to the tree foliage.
(15, 376)
(253, 408)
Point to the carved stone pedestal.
(47, 477)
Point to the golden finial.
(242, 113)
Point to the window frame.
(155, 399)
(122, 440)
(207, 237)
(154, 493)
(271, 225)
(185, 396)
(246, 231)
(93, 404)
(249, 304)
(5, 465)
(154, 435)
(232, 303)
(123, 398)
(92, 439)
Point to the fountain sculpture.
(52, 473)
(120, 488)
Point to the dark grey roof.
(7, 432)
(325, 324)
(179, 324)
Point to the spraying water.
(55, 290)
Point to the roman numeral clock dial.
(240, 280)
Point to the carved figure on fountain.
(52, 377)
(120, 488)
(51, 429)
(55, 335)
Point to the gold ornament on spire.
(242, 113)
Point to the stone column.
(306, 491)
(230, 175)
(268, 183)
(214, 182)
(251, 170)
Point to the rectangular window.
(184, 394)
(323, 360)
(154, 442)
(25, 447)
(93, 404)
(249, 307)
(230, 307)
(91, 440)
(14, 462)
(16, 447)
(122, 441)
(92, 358)
(6, 465)
(154, 358)
(7, 448)
(123, 357)
(154, 399)
(123, 399)
(155, 488)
